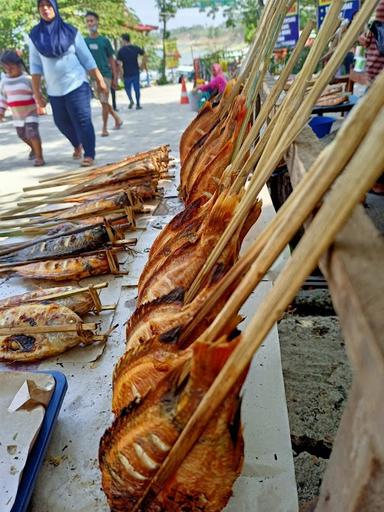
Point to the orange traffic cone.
(184, 100)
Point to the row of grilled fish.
(162, 377)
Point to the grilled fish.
(25, 346)
(146, 363)
(65, 245)
(203, 123)
(226, 131)
(66, 269)
(80, 303)
(112, 202)
(183, 265)
(183, 228)
(132, 450)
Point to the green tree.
(18, 17)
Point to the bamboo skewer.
(40, 329)
(244, 72)
(128, 159)
(292, 101)
(276, 146)
(319, 236)
(270, 101)
(255, 80)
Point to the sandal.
(77, 153)
(104, 134)
(87, 162)
(39, 162)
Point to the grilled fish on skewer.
(111, 202)
(183, 228)
(139, 440)
(80, 303)
(26, 346)
(181, 267)
(213, 146)
(66, 269)
(141, 368)
(207, 147)
(204, 122)
(65, 245)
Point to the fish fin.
(208, 359)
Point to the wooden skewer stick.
(39, 329)
(319, 236)
(270, 102)
(247, 66)
(107, 167)
(275, 149)
(254, 82)
(291, 103)
(293, 212)
(74, 291)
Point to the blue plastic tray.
(36, 456)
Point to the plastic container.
(36, 456)
(321, 125)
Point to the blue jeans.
(72, 116)
(135, 82)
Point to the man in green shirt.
(103, 54)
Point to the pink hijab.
(218, 82)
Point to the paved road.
(161, 121)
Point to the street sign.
(349, 9)
(289, 34)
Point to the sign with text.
(172, 54)
(289, 34)
(347, 12)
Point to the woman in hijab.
(217, 83)
(58, 52)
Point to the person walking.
(375, 63)
(103, 53)
(16, 93)
(128, 55)
(58, 52)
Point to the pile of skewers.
(71, 243)
(176, 441)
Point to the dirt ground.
(317, 377)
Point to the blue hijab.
(54, 38)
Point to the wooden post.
(354, 479)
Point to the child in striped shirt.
(16, 93)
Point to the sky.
(148, 13)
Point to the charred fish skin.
(142, 435)
(65, 245)
(30, 347)
(75, 268)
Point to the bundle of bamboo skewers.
(176, 439)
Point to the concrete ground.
(161, 121)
